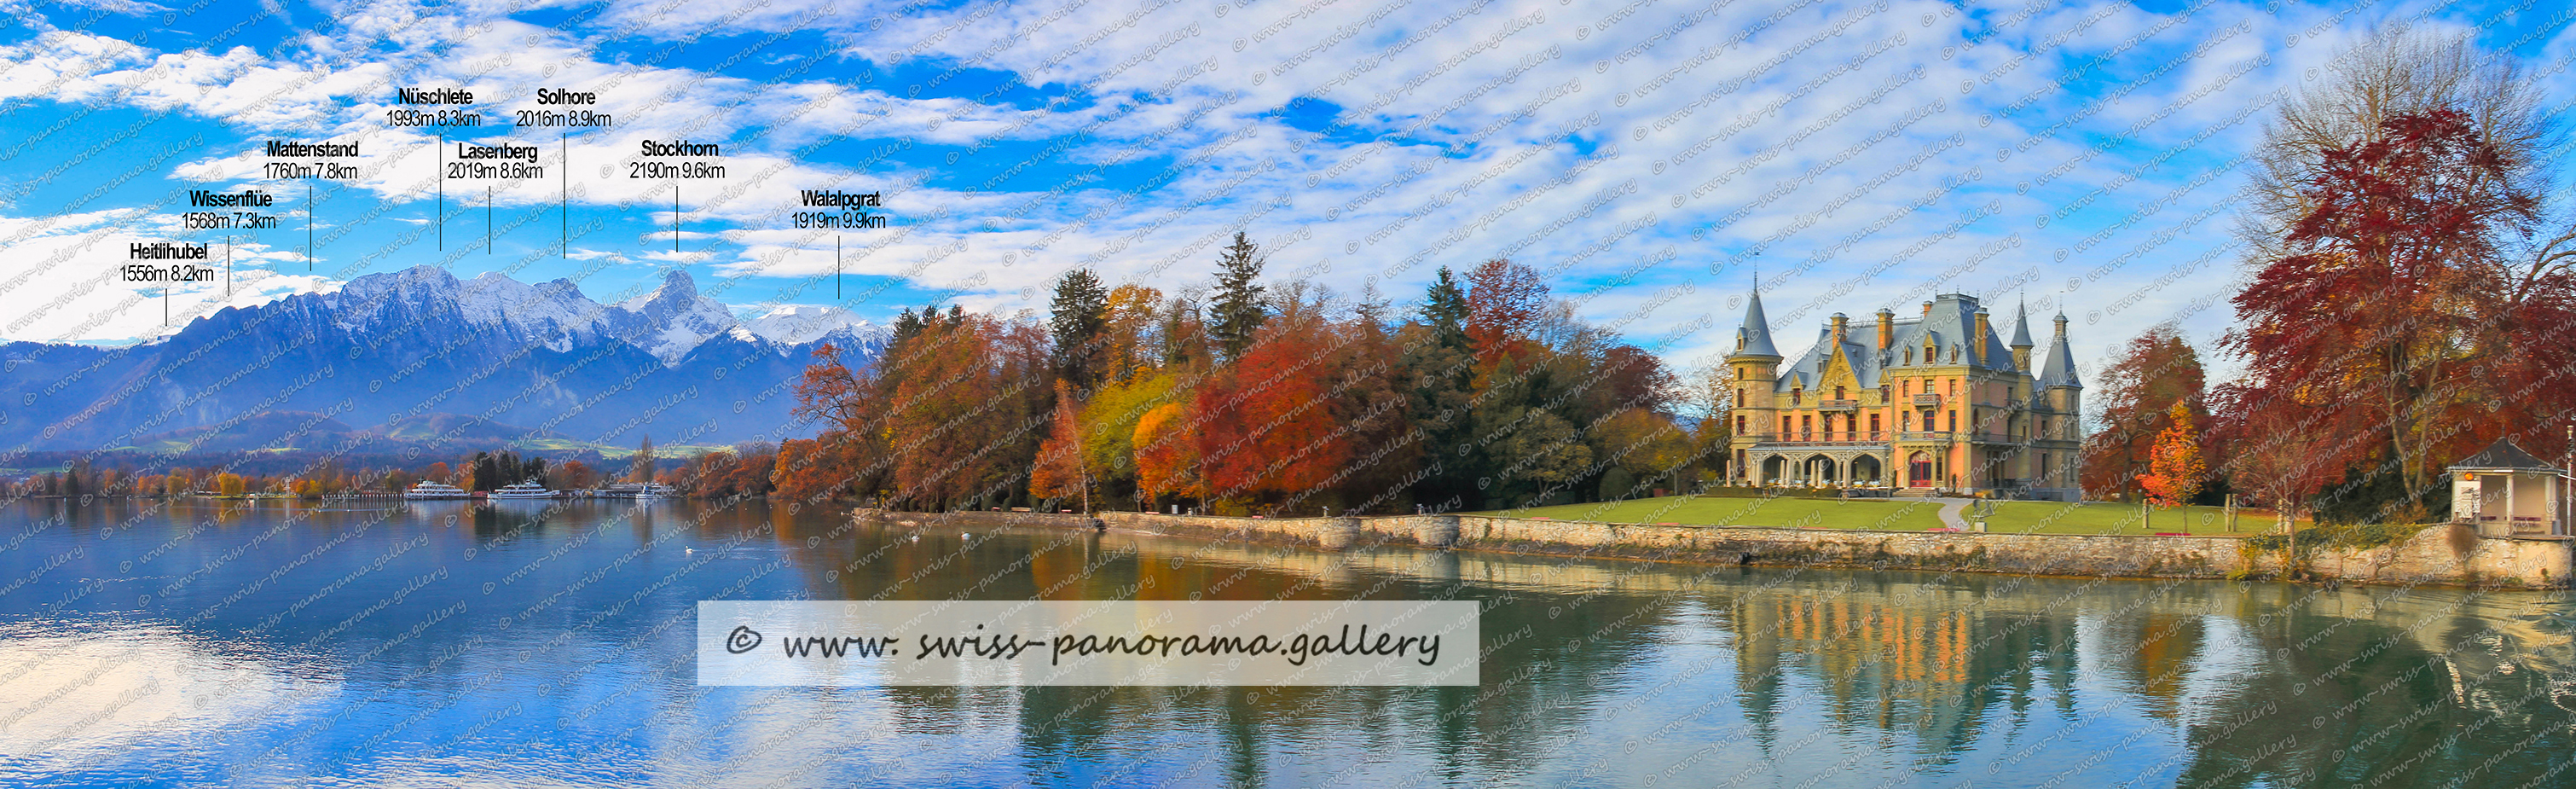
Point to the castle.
(1926, 405)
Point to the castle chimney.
(1841, 323)
(1977, 341)
(1927, 309)
(1886, 328)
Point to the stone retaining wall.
(2438, 555)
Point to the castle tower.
(1756, 364)
(2057, 376)
(2021, 344)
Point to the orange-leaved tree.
(1060, 472)
(2177, 471)
(1267, 428)
(1167, 454)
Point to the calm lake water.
(451, 644)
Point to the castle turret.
(1753, 337)
(2021, 344)
(2057, 375)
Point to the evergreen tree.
(1080, 320)
(486, 470)
(1239, 309)
(905, 326)
(1445, 310)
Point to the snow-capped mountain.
(800, 324)
(672, 319)
(391, 347)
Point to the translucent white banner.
(986, 642)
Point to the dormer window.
(1909, 357)
(1839, 394)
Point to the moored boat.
(523, 490)
(436, 490)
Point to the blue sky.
(1647, 155)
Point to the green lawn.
(1897, 515)
(1784, 511)
(2051, 517)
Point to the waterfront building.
(1929, 404)
(2505, 492)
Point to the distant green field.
(1896, 515)
(543, 445)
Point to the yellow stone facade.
(1931, 404)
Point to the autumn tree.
(1060, 472)
(1504, 303)
(573, 475)
(851, 403)
(1266, 430)
(808, 469)
(2177, 471)
(1167, 454)
(2383, 312)
(2408, 305)
(1708, 393)
(959, 425)
(2156, 371)
(1133, 312)
(1109, 419)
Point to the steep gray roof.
(2503, 454)
(2059, 370)
(2021, 327)
(1953, 318)
(1754, 336)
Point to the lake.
(268, 643)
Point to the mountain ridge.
(400, 345)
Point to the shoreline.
(2439, 555)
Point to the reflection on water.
(452, 643)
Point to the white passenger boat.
(523, 490)
(436, 490)
(637, 490)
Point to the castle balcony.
(1837, 405)
(1938, 437)
(1927, 398)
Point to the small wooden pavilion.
(2505, 492)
